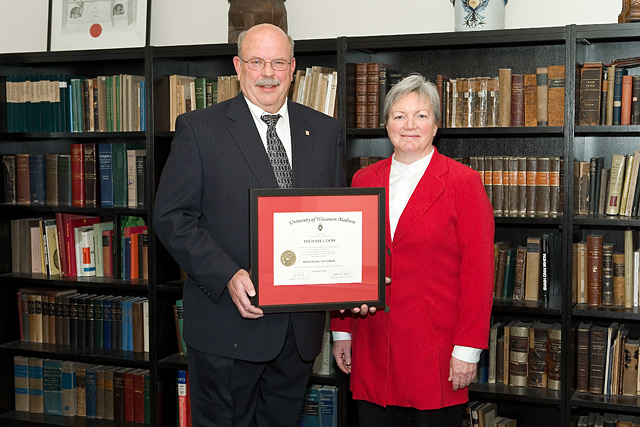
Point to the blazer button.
(388, 251)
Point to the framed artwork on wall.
(97, 24)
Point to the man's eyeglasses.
(256, 64)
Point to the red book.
(62, 247)
(128, 232)
(77, 175)
(71, 222)
(134, 255)
(107, 252)
(138, 391)
(129, 395)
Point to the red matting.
(347, 293)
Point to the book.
(538, 342)
(542, 94)
(597, 343)
(594, 269)
(182, 397)
(504, 103)
(590, 94)
(36, 386)
(68, 383)
(52, 386)
(532, 269)
(626, 100)
(64, 180)
(77, 175)
(628, 271)
(37, 180)
(9, 179)
(517, 100)
(607, 274)
(518, 353)
(616, 181)
(583, 334)
(530, 100)
(132, 176)
(105, 173)
(555, 101)
(618, 279)
(51, 179)
(554, 356)
(21, 383)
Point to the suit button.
(388, 251)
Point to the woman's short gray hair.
(413, 83)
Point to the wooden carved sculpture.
(244, 14)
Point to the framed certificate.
(317, 249)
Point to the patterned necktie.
(277, 154)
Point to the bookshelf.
(466, 54)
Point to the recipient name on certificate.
(317, 248)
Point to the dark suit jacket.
(202, 218)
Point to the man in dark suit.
(245, 368)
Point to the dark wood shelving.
(22, 419)
(608, 313)
(504, 306)
(42, 280)
(543, 396)
(599, 402)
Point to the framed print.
(317, 249)
(97, 24)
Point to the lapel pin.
(306, 132)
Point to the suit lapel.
(243, 131)
(382, 180)
(302, 142)
(428, 190)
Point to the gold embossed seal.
(288, 258)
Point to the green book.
(120, 196)
(118, 102)
(201, 92)
(509, 273)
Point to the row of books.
(523, 354)
(320, 407)
(606, 360)
(511, 99)
(80, 246)
(367, 86)
(66, 317)
(316, 87)
(105, 175)
(61, 103)
(608, 419)
(521, 186)
(188, 93)
(484, 414)
(73, 389)
(603, 275)
(608, 95)
(610, 191)
(525, 272)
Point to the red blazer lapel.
(428, 190)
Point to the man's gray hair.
(413, 83)
(242, 35)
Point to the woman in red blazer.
(419, 357)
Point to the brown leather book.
(512, 205)
(607, 274)
(597, 357)
(542, 95)
(440, 84)
(532, 269)
(543, 200)
(118, 393)
(497, 185)
(554, 356)
(517, 100)
(594, 269)
(462, 86)
(532, 175)
(583, 334)
(23, 185)
(538, 337)
(373, 95)
(630, 374)
(522, 186)
(618, 279)
(504, 103)
(361, 95)
(519, 353)
(555, 101)
(603, 99)
(530, 100)
(590, 94)
(488, 175)
(138, 326)
(626, 100)
(138, 396)
(554, 186)
(519, 281)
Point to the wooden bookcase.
(465, 54)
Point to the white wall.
(23, 24)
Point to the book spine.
(594, 269)
(517, 100)
(542, 91)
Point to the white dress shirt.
(403, 180)
(282, 126)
